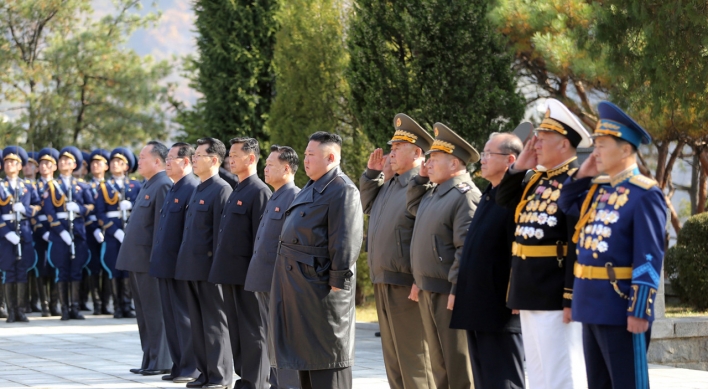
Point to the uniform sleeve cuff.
(372, 174)
(641, 302)
(341, 279)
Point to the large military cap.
(48, 154)
(73, 153)
(15, 152)
(447, 141)
(135, 165)
(125, 155)
(100, 155)
(559, 119)
(32, 157)
(407, 130)
(86, 156)
(615, 122)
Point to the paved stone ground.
(97, 353)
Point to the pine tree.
(234, 70)
(434, 60)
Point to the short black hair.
(250, 145)
(215, 147)
(184, 149)
(287, 155)
(326, 138)
(159, 150)
(621, 142)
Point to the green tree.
(234, 69)
(67, 77)
(434, 60)
(312, 93)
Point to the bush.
(687, 263)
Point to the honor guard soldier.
(443, 199)
(205, 300)
(116, 197)
(66, 203)
(402, 335)
(31, 168)
(620, 247)
(48, 292)
(100, 295)
(541, 282)
(18, 202)
(29, 171)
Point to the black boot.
(94, 282)
(117, 298)
(21, 302)
(63, 288)
(54, 298)
(31, 295)
(3, 312)
(74, 312)
(84, 292)
(42, 292)
(11, 299)
(106, 291)
(127, 299)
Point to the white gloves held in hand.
(98, 235)
(119, 234)
(72, 207)
(19, 207)
(66, 237)
(126, 205)
(45, 236)
(12, 237)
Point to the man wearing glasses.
(205, 301)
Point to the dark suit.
(173, 293)
(205, 300)
(260, 271)
(229, 177)
(493, 333)
(234, 249)
(134, 256)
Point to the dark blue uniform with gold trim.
(40, 227)
(14, 270)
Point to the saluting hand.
(527, 159)
(376, 160)
(588, 168)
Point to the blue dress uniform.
(59, 253)
(620, 246)
(110, 218)
(16, 259)
(99, 296)
(40, 232)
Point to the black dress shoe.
(214, 386)
(168, 377)
(183, 380)
(136, 371)
(154, 372)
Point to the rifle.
(123, 212)
(18, 217)
(70, 195)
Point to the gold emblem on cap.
(435, 131)
(548, 113)
(398, 122)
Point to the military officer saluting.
(541, 282)
(443, 199)
(18, 202)
(116, 197)
(620, 243)
(66, 203)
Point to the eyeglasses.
(486, 154)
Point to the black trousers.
(326, 379)
(247, 324)
(497, 359)
(615, 358)
(178, 328)
(151, 326)
(279, 378)
(210, 333)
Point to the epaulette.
(603, 179)
(643, 182)
(28, 182)
(463, 187)
(572, 171)
(80, 179)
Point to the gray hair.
(510, 144)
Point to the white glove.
(12, 237)
(66, 237)
(19, 207)
(72, 207)
(45, 236)
(126, 205)
(119, 234)
(98, 235)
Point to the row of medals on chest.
(603, 214)
(540, 209)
